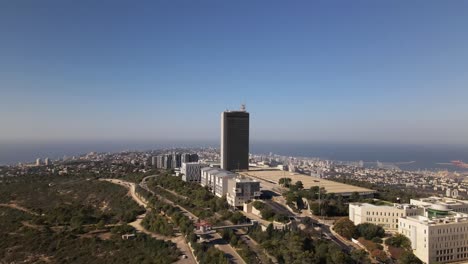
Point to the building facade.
(384, 216)
(235, 140)
(191, 171)
(440, 239)
(442, 204)
(242, 190)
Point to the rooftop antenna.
(242, 107)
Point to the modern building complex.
(439, 204)
(385, 216)
(440, 238)
(437, 227)
(221, 182)
(235, 140)
(242, 190)
(191, 171)
(207, 176)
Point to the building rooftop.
(273, 176)
(451, 218)
(395, 205)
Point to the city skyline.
(369, 72)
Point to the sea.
(410, 157)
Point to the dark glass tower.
(235, 140)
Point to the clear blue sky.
(347, 71)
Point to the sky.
(318, 71)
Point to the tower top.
(242, 108)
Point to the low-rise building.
(383, 215)
(221, 182)
(242, 190)
(207, 176)
(191, 171)
(440, 238)
(443, 204)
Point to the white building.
(439, 238)
(242, 190)
(191, 171)
(444, 204)
(216, 179)
(384, 216)
(221, 182)
(207, 176)
(38, 162)
(47, 162)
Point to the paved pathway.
(178, 240)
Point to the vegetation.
(202, 202)
(268, 213)
(409, 258)
(369, 231)
(392, 193)
(345, 228)
(398, 241)
(157, 223)
(286, 182)
(64, 219)
(203, 252)
(295, 246)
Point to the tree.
(299, 185)
(369, 231)
(360, 256)
(345, 227)
(399, 241)
(355, 197)
(286, 182)
(409, 258)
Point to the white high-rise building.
(38, 162)
(47, 161)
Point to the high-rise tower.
(235, 140)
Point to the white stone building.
(439, 238)
(384, 215)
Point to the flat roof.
(273, 175)
(452, 218)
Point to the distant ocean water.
(420, 156)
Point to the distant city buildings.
(235, 140)
(47, 162)
(174, 160)
(38, 162)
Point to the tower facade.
(235, 140)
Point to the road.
(278, 203)
(178, 240)
(216, 239)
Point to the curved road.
(216, 239)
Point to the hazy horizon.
(331, 71)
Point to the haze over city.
(322, 71)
